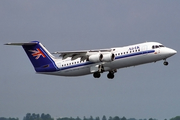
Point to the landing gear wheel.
(110, 75)
(165, 63)
(96, 75)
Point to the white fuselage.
(124, 57)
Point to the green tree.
(71, 118)
(13, 119)
(85, 118)
(116, 118)
(175, 118)
(27, 117)
(123, 118)
(78, 118)
(97, 118)
(43, 116)
(110, 118)
(91, 118)
(46, 117)
(3, 118)
(65, 118)
(33, 116)
(133, 119)
(104, 117)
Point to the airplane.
(84, 62)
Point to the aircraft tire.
(96, 75)
(110, 75)
(165, 63)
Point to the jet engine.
(108, 57)
(95, 58)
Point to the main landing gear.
(97, 74)
(110, 75)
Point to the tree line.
(43, 116)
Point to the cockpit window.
(157, 46)
(161, 45)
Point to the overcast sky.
(144, 91)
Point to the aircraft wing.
(83, 54)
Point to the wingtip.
(7, 44)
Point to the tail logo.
(37, 53)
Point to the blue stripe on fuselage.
(77, 65)
(117, 57)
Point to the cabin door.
(144, 50)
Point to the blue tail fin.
(39, 56)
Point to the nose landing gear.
(165, 63)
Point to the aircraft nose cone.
(172, 52)
(168, 52)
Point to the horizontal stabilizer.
(31, 43)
